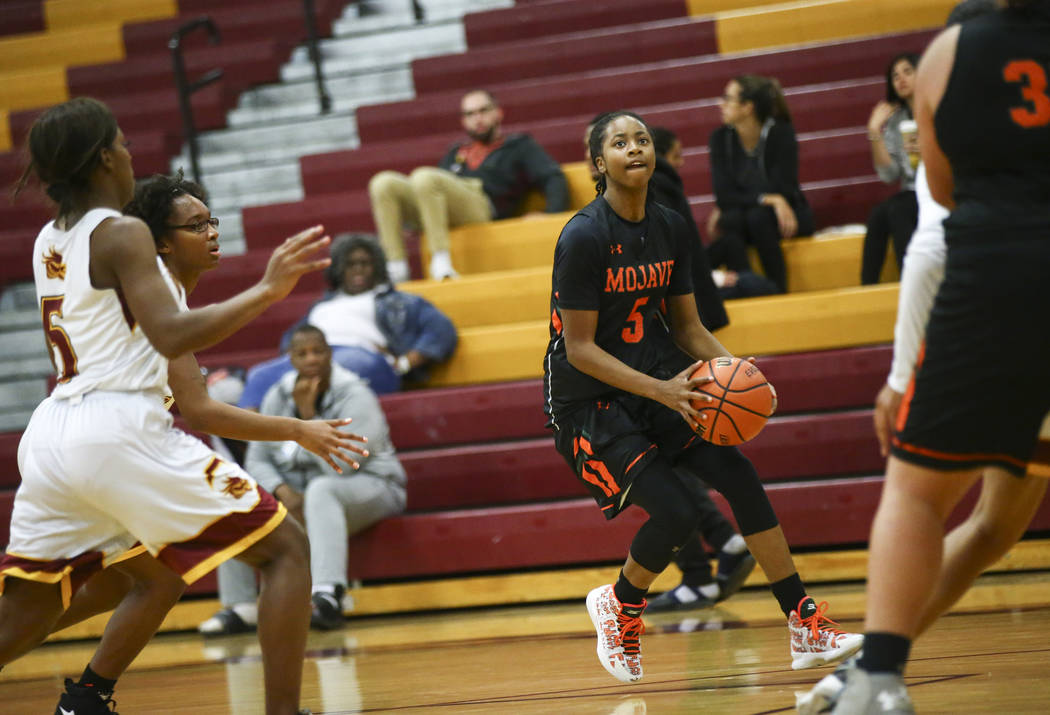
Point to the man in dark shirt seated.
(479, 180)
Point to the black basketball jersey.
(993, 123)
(624, 271)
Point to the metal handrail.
(310, 20)
(185, 88)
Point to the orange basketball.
(743, 401)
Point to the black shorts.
(982, 386)
(609, 442)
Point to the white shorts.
(104, 472)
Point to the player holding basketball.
(618, 397)
(101, 465)
(984, 129)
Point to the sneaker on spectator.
(226, 622)
(80, 700)
(619, 627)
(733, 570)
(397, 271)
(825, 694)
(327, 611)
(678, 599)
(441, 267)
(874, 694)
(816, 639)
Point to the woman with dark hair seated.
(754, 168)
(383, 335)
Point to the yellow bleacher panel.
(94, 44)
(489, 298)
(33, 88)
(710, 7)
(821, 20)
(581, 188)
(825, 262)
(818, 320)
(5, 131)
(68, 14)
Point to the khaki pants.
(431, 199)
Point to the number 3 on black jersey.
(1033, 88)
(57, 338)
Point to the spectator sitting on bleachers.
(481, 180)
(376, 331)
(332, 506)
(754, 168)
(891, 154)
(711, 287)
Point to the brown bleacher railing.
(185, 88)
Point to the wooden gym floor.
(989, 655)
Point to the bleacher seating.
(487, 491)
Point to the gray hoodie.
(273, 463)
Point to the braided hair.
(155, 197)
(65, 144)
(597, 139)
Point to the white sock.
(441, 266)
(249, 612)
(328, 588)
(397, 270)
(710, 590)
(735, 545)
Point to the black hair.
(969, 9)
(307, 329)
(154, 198)
(597, 138)
(65, 143)
(663, 139)
(346, 244)
(891, 93)
(765, 94)
(1035, 7)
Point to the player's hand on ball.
(294, 258)
(772, 389)
(680, 392)
(327, 441)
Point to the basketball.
(743, 401)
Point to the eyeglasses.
(199, 226)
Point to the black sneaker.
(225, 622)
(679, 599)
(733, 570)
(327, 612)
(79, 700)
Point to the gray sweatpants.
(335, 508)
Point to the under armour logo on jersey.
(616, 248)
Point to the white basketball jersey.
(95, 342)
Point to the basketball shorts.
(108, 470)
(981, 389)
(608, 443)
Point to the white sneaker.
(816, 639)
(397, 271)
(874, 694)
(441, 266)
(618, 627)
(825, 694)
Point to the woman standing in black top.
(754, 168)
(618, 395)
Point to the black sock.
(884, 653)
(627, 592)
(788, 592)
(91, 679)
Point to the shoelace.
(818, 622)
(631, 628)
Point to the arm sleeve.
(681, 272)
(544, 173)
(922, 275)
(782, 161)
(728, 194)
(437, 336)
(578, 266)
(891, 137)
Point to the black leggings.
(669, 499)
(897, 217)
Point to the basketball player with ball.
(629, 391)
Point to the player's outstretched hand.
(887, 405)
(327, 441)
(680, 391)
(294, 258)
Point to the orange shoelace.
(819, 622)
(631, 628)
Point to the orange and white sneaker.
(816, 639)
(619, 627)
